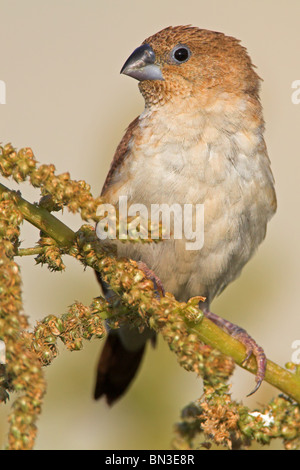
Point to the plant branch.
(36, 250)
(42, 219)
(91, 253)
(275, 375)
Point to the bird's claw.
(252, 348)
(158, 285)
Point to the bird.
(199, 140)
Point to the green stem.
(36, 250)
(43, 220)
(207, 331)
(280, 378)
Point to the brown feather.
(120, 154)
(116, 368)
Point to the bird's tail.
(116, 368)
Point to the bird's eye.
(181, 54)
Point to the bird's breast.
(188, 161)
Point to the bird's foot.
(250, 344)
(158, 286)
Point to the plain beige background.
(60, 61)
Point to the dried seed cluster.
(216, 419)
(57, 190)
(22, 371)
(79, 323)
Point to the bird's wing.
(120, 154)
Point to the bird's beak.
(141, 64)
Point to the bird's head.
(186, 61)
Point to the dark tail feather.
(116, 368)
